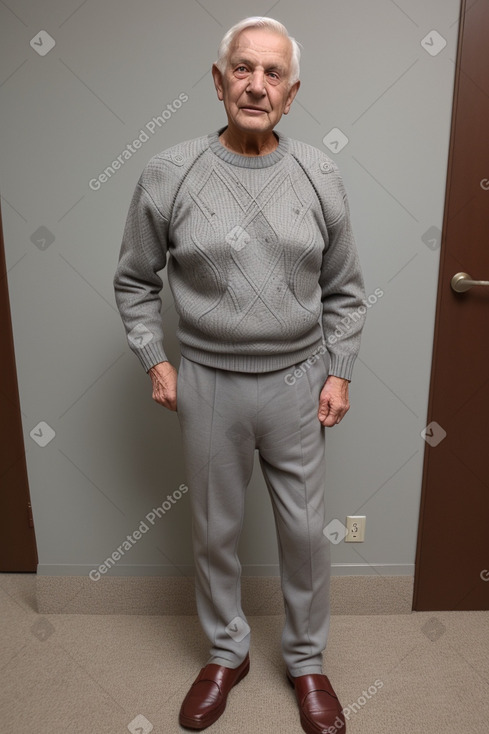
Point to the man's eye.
(241, 68)
(273, 78)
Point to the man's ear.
(291, 96)
(217, 76)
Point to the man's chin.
(255, 125)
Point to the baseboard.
(96, 573)
(167, 595)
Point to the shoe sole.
(216, 713)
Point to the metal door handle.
(462, 282)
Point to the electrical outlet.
(355, 524)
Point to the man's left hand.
(333, 401)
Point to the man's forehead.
(261, 41)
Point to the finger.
(171, 402)
(333, 416)
(330, 421)
(342, 412)
(167, 401)
(324, 408)
(324, 415)
(160, 397)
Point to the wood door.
(18, 551)
(452, 560)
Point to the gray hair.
(259, 22)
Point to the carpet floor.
(418, 673)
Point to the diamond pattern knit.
(261, 259)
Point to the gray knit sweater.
(261, 260)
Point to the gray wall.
(67, 115)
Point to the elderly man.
(262, 265)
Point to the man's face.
(255, 87)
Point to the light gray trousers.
(224, 417)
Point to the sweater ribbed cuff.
(341, 365)
(151, 354)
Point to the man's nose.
(256, 84)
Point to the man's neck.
(249, 144)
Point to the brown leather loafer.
(319, 707)
(206, 699)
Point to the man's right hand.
(164, 378)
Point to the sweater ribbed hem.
(340, 365)
(248, 362)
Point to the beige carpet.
(86, 674)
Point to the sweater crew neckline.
(247, 161)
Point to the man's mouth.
(252, 108)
